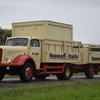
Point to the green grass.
(85, 90)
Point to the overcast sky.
(84, 15)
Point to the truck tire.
(27, 73)
(66, 75)
(41, 77)
(89, 72)
(1, 76)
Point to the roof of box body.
(42, 22)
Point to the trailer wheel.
(1, 76)
(27, 73)
(66, 75)
(41, 77)
(89, 72)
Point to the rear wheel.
(66, 75)
(27, 73)
(89, 72)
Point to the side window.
(35, 43)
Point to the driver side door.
(35, 52)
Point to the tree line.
(4, 33)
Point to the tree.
(4, 33)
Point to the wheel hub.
(28, 72)
(67, 71)
(91, 71)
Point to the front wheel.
(26, 73)
(89, 72)
(66, 75)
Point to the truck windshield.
(17, 42)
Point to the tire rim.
(91, 71)
(28, 72)
(67, 71)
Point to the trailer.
(41, 48)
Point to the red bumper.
(10, 64)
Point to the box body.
(43, 30)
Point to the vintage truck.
(41, 48)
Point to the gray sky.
(84, 15)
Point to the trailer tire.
(27, 73)
(89, 72)
(1, 76)
(66, 75)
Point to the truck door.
(35, 51)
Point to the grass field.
(84, 90)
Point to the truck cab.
(30, 46)
(17, 52)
